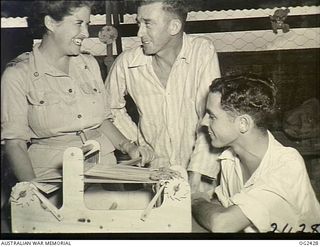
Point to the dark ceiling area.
(22, 8)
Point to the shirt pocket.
(42, 98)
(93, 102)
(88, 89)
(45, 113)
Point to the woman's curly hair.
(247, 94)
(56, 9)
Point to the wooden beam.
(22, 8)
(209, 26)
(225, 25)
(213, 26)
(248, 4)
(249, 24)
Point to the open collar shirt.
(169, 116)
(42, 104)
(39, 101)
(277, 197)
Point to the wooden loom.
(32, 212)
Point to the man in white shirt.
(168, 78)
(264, 186)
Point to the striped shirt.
(169, 116)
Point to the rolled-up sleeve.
(265, 205)
(116, 89)
(254, 209)
(14, 106)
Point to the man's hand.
(135, 151)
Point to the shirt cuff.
(11, 130)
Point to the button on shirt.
(279, 191)
(39, 101)
(169, 116)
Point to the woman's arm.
(120, 142)
(17, 155)
(114, 135)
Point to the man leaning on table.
(168, 78)
(264, 185)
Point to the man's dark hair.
(56, 9)
(247, 94)
(179, 8)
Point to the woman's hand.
(135, 151)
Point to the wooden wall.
(14, 41)
(296, 72)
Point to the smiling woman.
(53, 93)
(57, 10)
(67, 34)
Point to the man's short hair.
(179, 8)
(247, 94)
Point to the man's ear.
(175, 26)
(245, 123)
(49, 23)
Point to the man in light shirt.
(264, 186)
(168, 78)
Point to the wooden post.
(73, 178)
(116, 23)
(108, 60)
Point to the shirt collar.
(264, 162)
(42, 67)
(271, 142)
(140, 59)
(185, 52)
(227, 154)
